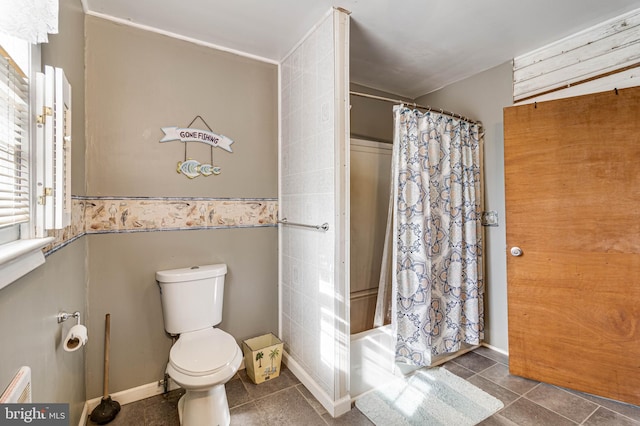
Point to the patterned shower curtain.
(437, 279)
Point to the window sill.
(20, 257)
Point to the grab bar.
(324, 226)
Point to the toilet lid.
(202, 352)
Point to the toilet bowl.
(203, 358)
(201, 362)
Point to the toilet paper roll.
(76, 337)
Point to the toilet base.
(204, 407)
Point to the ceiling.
(405, 47)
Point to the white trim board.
(84, 415)
(335, 408)
(367, 145)
(342, 285)
(127, 397)
(493, 348)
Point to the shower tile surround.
(100, 215)
(307, 195)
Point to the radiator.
(19, 390)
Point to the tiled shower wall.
(307, 195)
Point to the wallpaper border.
(112, 214)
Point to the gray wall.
(31, 335)
(482, 97)
(372, 119)
(28, 307)
(138, 82)
(123, 284)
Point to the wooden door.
(572, 175)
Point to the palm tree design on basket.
(259, 357)
(272, 355)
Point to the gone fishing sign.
(189, 167)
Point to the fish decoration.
(189, 168)
(192, 169)
(206, 169)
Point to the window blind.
(14, 161)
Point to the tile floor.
(285, 401)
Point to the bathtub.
(373, 360)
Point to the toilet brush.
(108, 408)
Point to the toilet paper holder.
(63, 316)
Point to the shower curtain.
(435, 209)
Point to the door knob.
(516, 251)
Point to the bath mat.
(429, 397)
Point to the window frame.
(20, 250)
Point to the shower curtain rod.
(415, 105)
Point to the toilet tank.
(191, 297)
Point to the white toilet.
(204, 358)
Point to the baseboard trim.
(493, 348)
(127, 397)
(334, 408)
(85, 415)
